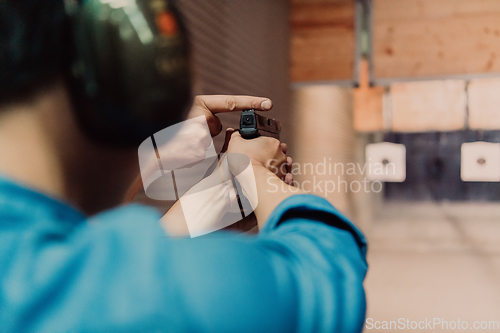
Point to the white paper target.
(480, 162)
(386, 162)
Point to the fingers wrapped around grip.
(265, 151)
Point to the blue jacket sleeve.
(303, 273)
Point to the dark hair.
(34, 46)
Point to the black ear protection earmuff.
(130, 72)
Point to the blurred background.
(344, 75)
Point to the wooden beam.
(484, 104)
(368, 103)
(431, 38)
(428, 106)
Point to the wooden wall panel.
(322, 40)
(484, 103)
(428, 106)
(428, 38)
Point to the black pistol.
(253, 125)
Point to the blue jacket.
(118, 271)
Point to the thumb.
(229, 133)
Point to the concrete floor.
(435, 261)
